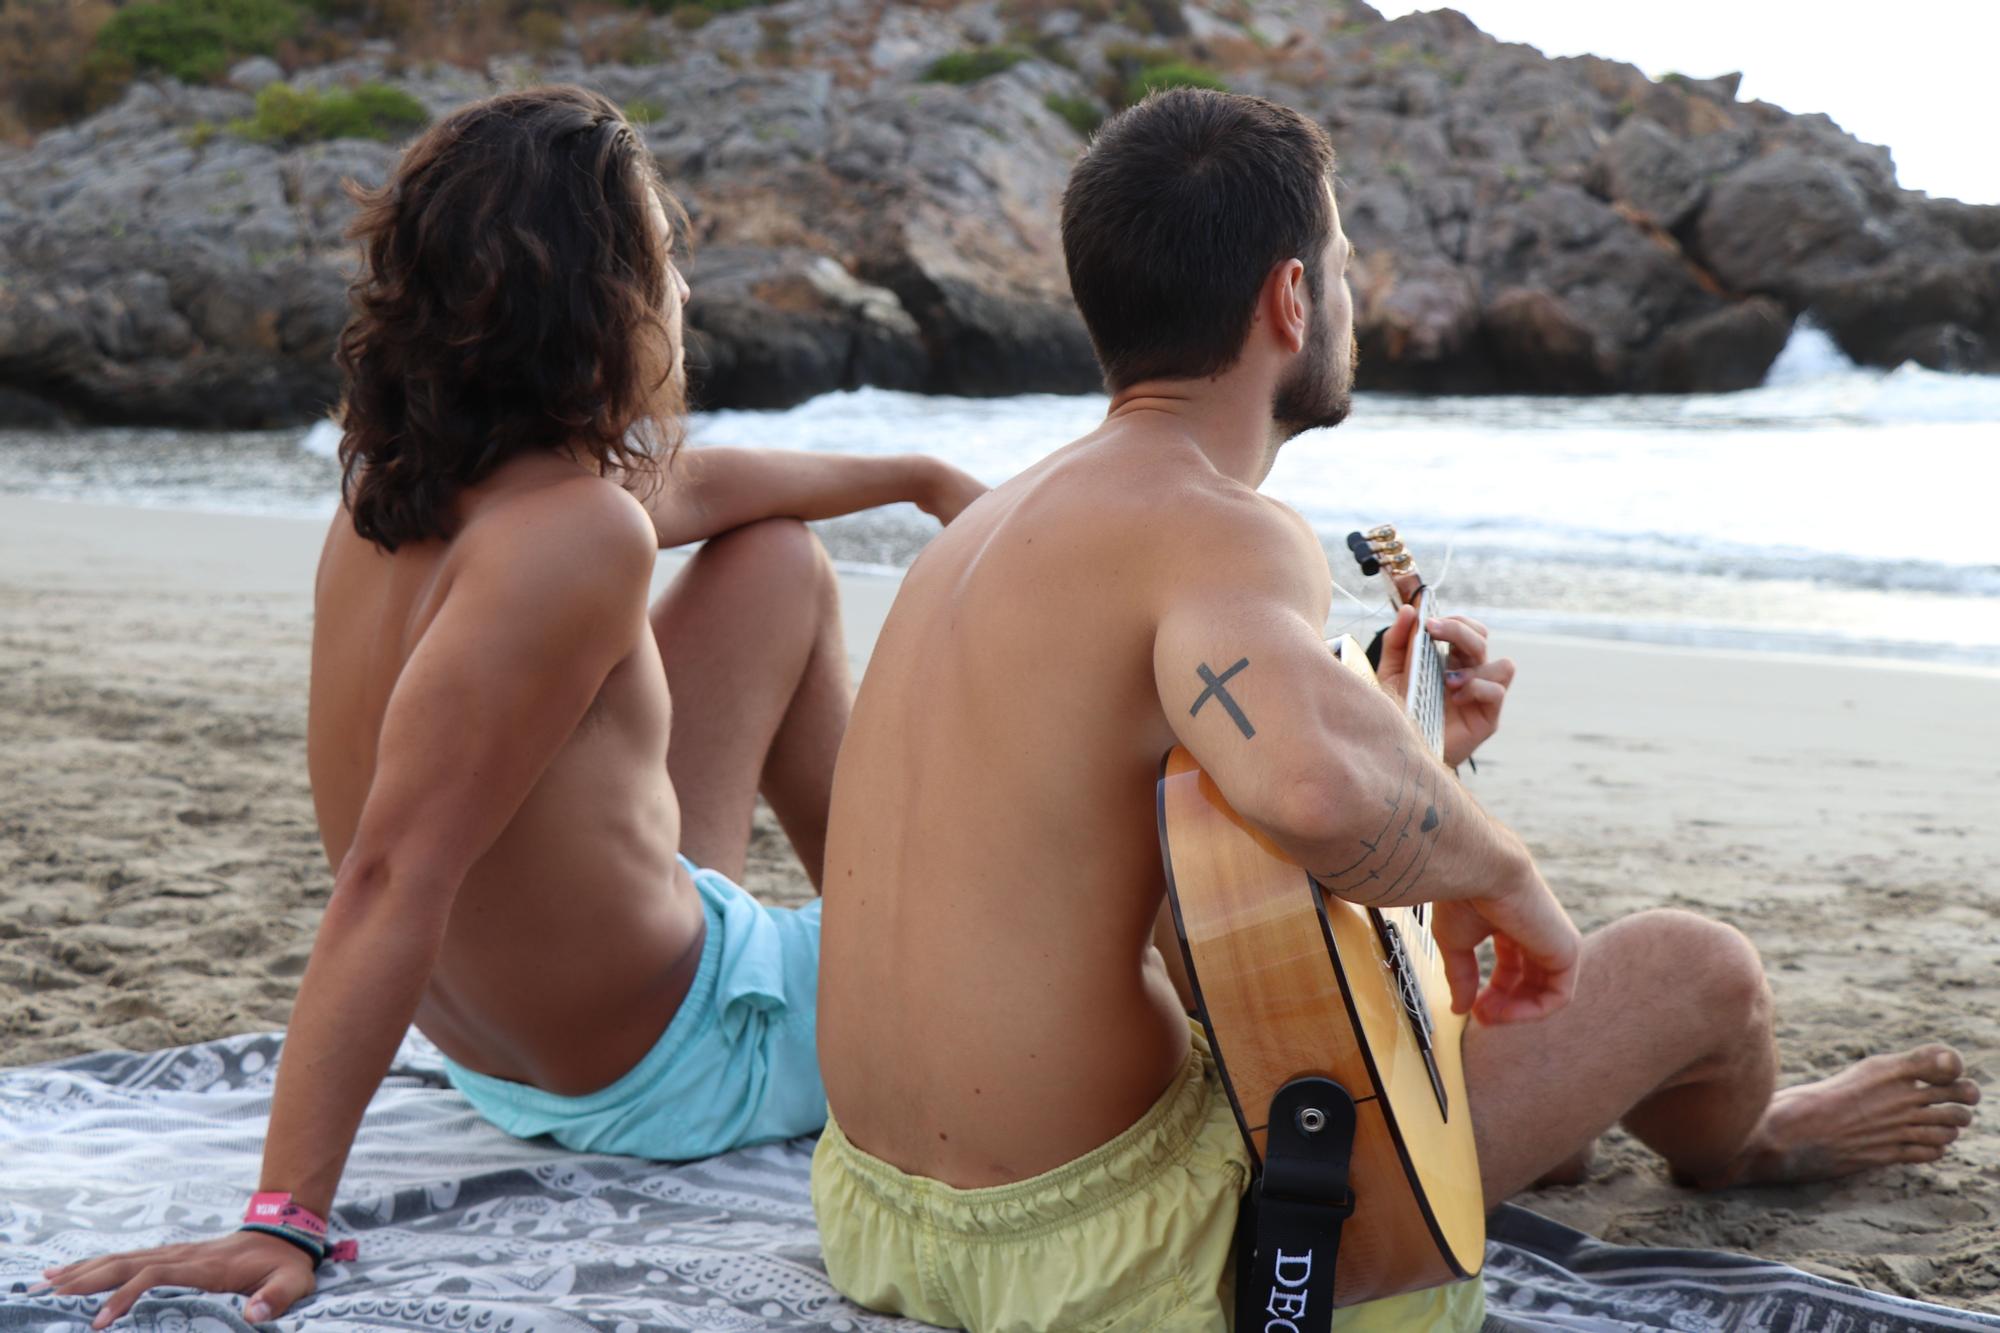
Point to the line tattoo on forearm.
(1215, 691)
(1390, 864)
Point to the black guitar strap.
(1288, 1229)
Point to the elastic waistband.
(1156, 1142)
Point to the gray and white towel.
(464, 1228)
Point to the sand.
(161, 875)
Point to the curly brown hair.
(513, 297)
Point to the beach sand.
(161, 875)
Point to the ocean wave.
(322, 439)
(1813, 381)
(1809, 354)
(1912, 393)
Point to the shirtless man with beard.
(1024, 1133)
(536, 792)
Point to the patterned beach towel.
(463, 1228)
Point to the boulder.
(1978, 225)
(1653, 171)
(1787, 222)
(20, 410)
(1540, 344)
(1731, 347)
(1939, 314)
(770, 328)
(1414, 317)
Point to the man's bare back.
(1026, 933)
(550, 972)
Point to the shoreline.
(859, 578)
(161, 875)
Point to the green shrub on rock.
(978, 63)
(1083, 115)
(196, 40)
(287, 115)
(1172, 74)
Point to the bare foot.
(1573, 1170)
(1886, 1109)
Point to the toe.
(1962, 1090)
(1935, 1064)
(1931, 1135)
(1917, 1153)
(1945, 1113)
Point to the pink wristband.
(278, 1210)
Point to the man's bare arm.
(711, 490)
(542, 611)
(1323, 763)
(520, 648)
(1320, 761)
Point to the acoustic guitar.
(1290, 981)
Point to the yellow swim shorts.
(1134, 1235)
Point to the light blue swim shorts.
(736, 1066)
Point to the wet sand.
(161, 875)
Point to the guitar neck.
(1425, 701)
(1380, 551)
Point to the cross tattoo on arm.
(1214, 690)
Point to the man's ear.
(1285, 304)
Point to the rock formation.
(1524, 224)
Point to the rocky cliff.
(1523, 223)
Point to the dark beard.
(1319, 392)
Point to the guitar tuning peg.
(1401, 563)
(1363, 553)
(1384, 533)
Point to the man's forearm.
(1415, 835)
(1357, 798)
(715, 489)
(370, 964)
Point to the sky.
(1919, 76)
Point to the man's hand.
(272, 1273)
(1474, 689)
(948, 491)
(1535, 948)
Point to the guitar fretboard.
(1426, 698)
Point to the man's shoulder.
(577, 537)
(577, 522)
(1226, 515)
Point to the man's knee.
(781, 555)
(1714, 965)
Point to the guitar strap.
(1288, 1229)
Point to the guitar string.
(1383, 611)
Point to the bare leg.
(1670, 1035)
(757, 666)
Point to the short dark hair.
(511, 299)
(1174, 217)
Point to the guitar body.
(1291, 980)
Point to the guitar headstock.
(1380, 549)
